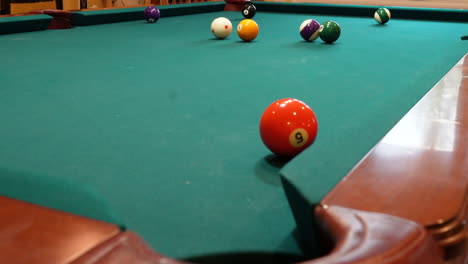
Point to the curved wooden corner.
(362, 237)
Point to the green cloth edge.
(94, 17)
(18, 24)
(434, 14)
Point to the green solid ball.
(330, 31)
(382, 15)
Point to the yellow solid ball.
(247, 30)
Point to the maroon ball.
(152, 14)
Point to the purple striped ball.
(309, 29)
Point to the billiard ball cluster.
(287, 126)
(247, 29)
(330, 31)
(311, 29)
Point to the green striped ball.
(382, 15)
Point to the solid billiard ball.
(249, 10)
(247, 30)
(309, 29)
(330, 31)
(288, 126)
(221, 27)
(382, 15)
(152, 14)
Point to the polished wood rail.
(33, 234)
(418, 170)
(37, 235)
(361, 238)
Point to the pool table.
(149, 134)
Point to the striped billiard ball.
(309, 29)
(382, 15)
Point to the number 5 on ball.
(288, 126)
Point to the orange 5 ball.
(288, 126)
(247, 30)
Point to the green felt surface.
(368, 89)
(161, 120)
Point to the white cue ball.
(221, 27)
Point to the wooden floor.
(450, 4)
